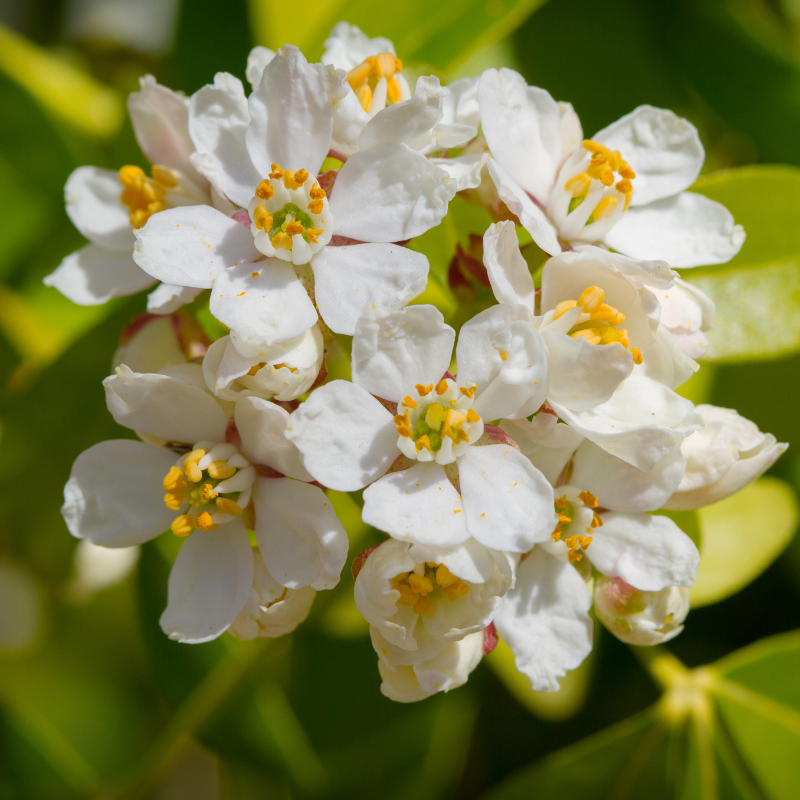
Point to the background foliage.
(96, 702)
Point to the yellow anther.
(584, 541)
(262, 218)
(625, 171)
(228, 507)
(609, 335)
(277, 172)
(592, 335)
(574, 555)
(205, 523)
(578, 184)
(264, 190)
(282, 241)
(295, 228)
(461, 436)
(571, 541)
(423, 390)
(207, 492)
(407, 596)
(444, 577)
(637, 355)
(359, 74)
(376, 71)
(398, 64)
(402, 419)
(561, 502)
(503, 355)
(253, 371)
(596, 521)
(364, 95)
(591, 298)
(219, 470)
(588, 499)
(556, 535)
(312, 234)
(315, 206)
(607, 177)
(606, 207)
(473, 416)
(182, 525)
(597, 166)
(468, 391)
(424, 441)
(193, 472)
(606, 313)
(452, 422)
(614, 160)
(164, 176)
(441, 387)
(131, 176)
(623, 339)
(173, 501)
(409, 402)
(595, 147)
(435, 415)
(563, 519)
(563, 307)
(425, 607)
(317, 193)
(138, 218)
(624, 186)
(301, 176)
(420, 583)
(392, 91)
(294, 180)
(174, 481)
(458, 589)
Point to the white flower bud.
(725, 456)
(637, 617)
(152, 343)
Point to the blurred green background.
(96, 703)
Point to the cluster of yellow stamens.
(423, 591)
(603, 319)
(576, 543)
(364, 78)
(144, 196)
(187, 486)
(603, 166)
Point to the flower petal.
(349, 118)
(261, 426)
(417, 505)
(93, 275)
(191, 245)
(347, 46)
(508, 502)
(465, 169)
(299, 535)
(508, 271)
(688, 230)
(545, 619)
(263, 302)
(396, 351)
(647, 551)
(389, 193)
(92, 195)
(522, 126)
(114, 496)
(663, 149)
(165, 407)
(209, 584)
(347, 279)
(167, 298)
(347, 438)
(291, 118)
(218, 120)
(547, 442)
(257, 59)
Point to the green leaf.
(758, 292)
(741, 536)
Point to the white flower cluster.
(514, 465)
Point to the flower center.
(426, 585)
(145, 196)
(210, 487)
(365, 80)
(598, 322)
(438, 423)
(290, 215)
(607, 167)
(567, 512)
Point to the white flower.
(409, 682)
(282, 371)
(420, 598)
(271, 610)
(97, 568)
(625, 187)
(106, 206)
(586, 298)
(686, 312)
(640, 618)
(122, 493)
(348, 440)
(725, 456)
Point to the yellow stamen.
(425, 607)
(207, 492)
(423, 390)
(444, 577)
(205, 523)
(312, 234)
(637, 355)
(392, 91)
(295, 228)
(473, 416)
(584, 541)
(591, 298)
(592, 335)
(458, 589)
(282, 241)
(220, 470)
(461, 436)
(315, 206)
(420, 583)
(173, 501)
(441, 387)
(228, 507)
(262, 218)
(424, 441)
(277, 172)
(626, 171)
(174, 481)
(468, 392)
(264, 190)
(588, 499)
(364, 95)
(407, 596)
(408, 402)
(193, 472)
(606, 207)
(574, 555)
(578, 184)
(606, 313)
(359, 74)
(595, 147)
(596, 521)
(563, 307)
(164, 176)
(182, 525)
(131, 176)
(317, 193)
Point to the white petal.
(191, 245)
(263, 302)
(291, 118)
(548, 443)
(347, 279)
(165, 407)
(545, 619)
(209, 583)
(508, 271)
(93, 275)
(688, 230)
(92, 195)
(395, 351)
(508, 502)
(347, 438)
(166, 298)
(584, 375)
(389, 194)
(347, 46)
(160, 122)
(648, 552)
(417, 505)
(464, 169)
(261, 425)
(666, 362)
(531, 217)
(218, 120)
(257, 59)
(619, 486)
(642, 423)
(663, 149)
(462, 104)
(114, 496)
(522, 127)
(349, 118)
(299, 535)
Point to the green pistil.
(279, 220)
